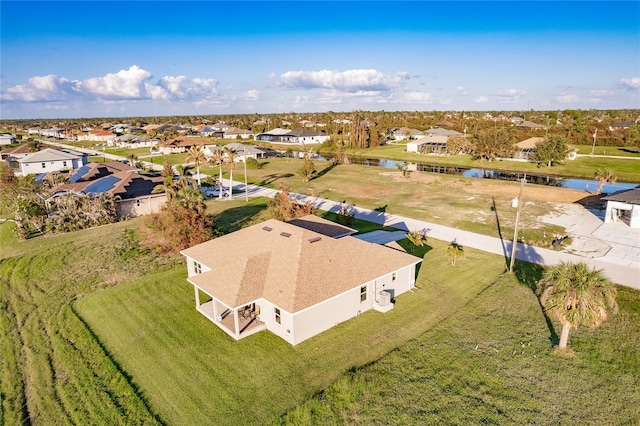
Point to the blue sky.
(105, 59)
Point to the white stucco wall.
(615, 207)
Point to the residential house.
(402, 133)
(7, 139)
(49, 160)
(209, 131)
(622, 125)
(180, 144)
(10, 155)
(236, 133)
(430, 144)
(526, 149)
(442, 132)
(133, 191)
(285, 136)
(54, 132)
(624, 206)
(292, 281)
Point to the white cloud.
(632, 83)
(130, 84)
(40, 89)
(601, 92)
(419, 97)
(125, 84)
(252, 95)
(482, 99)
(350, 81)
(461, 91)
(510, 96)
(567, 98)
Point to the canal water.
(538, 179)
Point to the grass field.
(179, 360)
(492, 363)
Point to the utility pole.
(516, 202)
(593, 149)
(246, 187)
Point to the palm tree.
(455, 252)
(184, 178)
(168, 187)
(231, 158)
(196, 154)
(218, 158)
(604, 176)
(574, 294)
(191, 199)
(417, 238)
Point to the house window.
(276, 312)
(197, 267)
(64, 164)
(363, 293)
(44, 166)
(137, 203)
(393, 276)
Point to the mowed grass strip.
(192, 372)
(493, 363)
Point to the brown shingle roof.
(292, 267)
(630, 196)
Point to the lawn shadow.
(419, 251)
(529, 273)
(630, 151)
(325, 170)
(235, 218)
(494, 209)
(268, 179)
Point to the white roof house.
(50, 160)
(294, 281)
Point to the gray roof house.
(624, 206)
(50, 160)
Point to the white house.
(624, 206)
(50, 160)
(301, 137)
(293, 281)
(7, 139)
(430, 144)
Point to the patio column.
(197, 296)
(237, 323)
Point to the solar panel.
(79, 173)
(102, 185)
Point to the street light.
(516, 203)
(246, 187)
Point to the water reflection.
(537, 179)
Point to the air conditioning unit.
(384, 298)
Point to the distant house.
(7, 139)
(526, 149)
(209, 131)
(300, 137)
(622, 125)
(402, 133)
(529, 125)
(293, 281)
(624, 206)
(181, 144)
(431, 144)
(54, 132)
(133, 191)
(442, 132)
(235, 133)
(50, 160)
(12, 154)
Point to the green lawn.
(492, 363)
(192, 372)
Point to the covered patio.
(238, 322)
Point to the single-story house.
(442, 132)
(430, 144)
(526, 148)
(302, 137)
(622, 125)
(133, 190)
(402, 133)
(292, 281)
(624, 206)
(181, 144)
(50, 160)
(7, 139)
(12, 154)
(235, 133)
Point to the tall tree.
(493, 143)
(218, 159)
(454, 252)
(231, 157)
(196, 155)
(552, 150)
(575, 295)
(605, 176)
